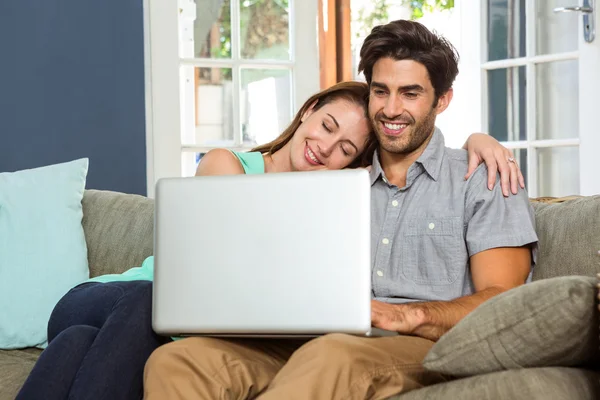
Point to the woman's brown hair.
(352, 91)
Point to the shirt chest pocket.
(433, 250)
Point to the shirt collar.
(430, 160)
(376, 170)
(432, 157)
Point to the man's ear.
(309, 111)
(444, 101)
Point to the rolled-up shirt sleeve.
(493, 221)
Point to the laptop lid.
(265, 255)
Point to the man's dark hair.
(410, 40)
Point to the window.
(537, 88)
(224, 73)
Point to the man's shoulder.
(458, 156)
(456, 162)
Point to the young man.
(441, 246)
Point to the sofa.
(119, 235)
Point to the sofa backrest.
(119, 233)
(569, 237)
(118, 230)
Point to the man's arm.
(493, 271)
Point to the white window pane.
(264, 31)
(207, 108)
(189, 163)
(557, 100)
(506, 29)
(507, 102)
(556, 32)
(265, 104)
(205, 28)
(521, 157)
(558, 171)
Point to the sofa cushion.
(552, 322)
(15, 366)
(569, 237)
(119, 230)
(526, 384)
(43, 251)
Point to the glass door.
(539, 74)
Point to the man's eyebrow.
(412, 88)
(334, 120)
(408, 88)
(379, 85)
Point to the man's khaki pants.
(334, 366)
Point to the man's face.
(401, 105)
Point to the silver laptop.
(270, 255)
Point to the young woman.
(100, 333)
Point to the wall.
(71, 86)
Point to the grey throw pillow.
(552, 322)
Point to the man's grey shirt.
(423, 234)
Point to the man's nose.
(393, 107)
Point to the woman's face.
(330, 137)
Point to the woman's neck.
(278, 161)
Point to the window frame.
(164, 147)
(474, 63)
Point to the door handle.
(587, 9)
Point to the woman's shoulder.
(252, 162)
(219, 162)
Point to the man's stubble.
(419, 133)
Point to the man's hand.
(401, 318)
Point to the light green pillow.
(43, 252)
(547, 323)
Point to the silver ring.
(512, 160)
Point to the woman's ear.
(309, 111)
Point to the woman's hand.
(484, 148)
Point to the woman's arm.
(219, 162)
(484, 148)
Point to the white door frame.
(162, 66)
(589, 109)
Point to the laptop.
(269, 255)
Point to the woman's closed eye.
(326, 127)
(347, 150)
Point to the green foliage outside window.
(380, 13)
(420, 7)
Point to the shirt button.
(395, 203)
(385, 241)
(379, 273)
(431, 225)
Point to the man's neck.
(395, 165)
